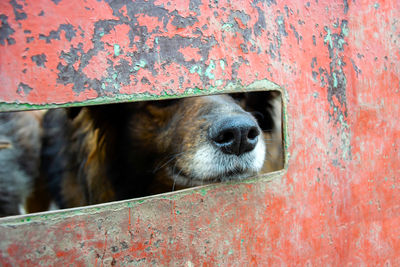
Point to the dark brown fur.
(104, 153)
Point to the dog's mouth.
(207, 164)
(181, 178)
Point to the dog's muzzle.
(235, 134)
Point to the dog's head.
(178, 143)
(193, 141)
(199, 140)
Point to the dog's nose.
(235, 134)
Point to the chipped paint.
(337, 201)
(210, 69)
(117, 50)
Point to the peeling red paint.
(337, 202)
(190, 53)
(152, 23)
(97, 67)
(240, 23)
(182, 7)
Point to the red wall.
(337, 202)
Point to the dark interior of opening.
(79, 156)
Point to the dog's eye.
(164, 103)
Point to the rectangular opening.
(71, 157)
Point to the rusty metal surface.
(337, 203)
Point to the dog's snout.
(235, 134)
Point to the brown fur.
(118, 151)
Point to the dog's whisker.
(173, 175)
(173, 185)
(170, 158)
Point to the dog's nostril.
(225, 137)
(235, 135)
(253, 133)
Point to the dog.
(20, 148)
(112, 152)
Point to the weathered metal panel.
(337, 202)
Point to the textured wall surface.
(336, 203)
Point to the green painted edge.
(285, 130)
(230, 88)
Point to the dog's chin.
(180, 179)
(210, 165)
